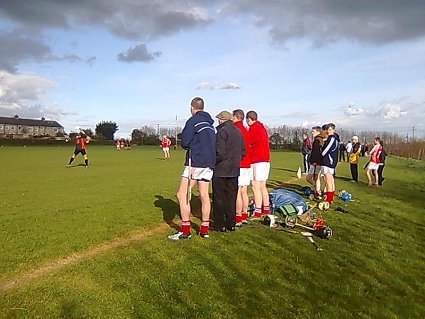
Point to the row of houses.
(15, 127)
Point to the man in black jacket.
(230, 149)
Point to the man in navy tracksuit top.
(198, 138)
(329, 160)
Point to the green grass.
(373, 266)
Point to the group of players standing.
(322, 159)
(232, 159)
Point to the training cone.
(299, 172)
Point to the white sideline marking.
(74, 259)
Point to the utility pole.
(413, 135)
(407, 138)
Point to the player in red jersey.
(165, 143)
(245, 174)
(81, 140)
(260, 163)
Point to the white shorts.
(203, 174)
(245, 176)
(315, 170)
(165, 149)
(260, 171)
(328, 170)
(372, 166)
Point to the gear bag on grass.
(283, 197)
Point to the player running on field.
(81, 140)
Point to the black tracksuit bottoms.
(225, 191)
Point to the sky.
(358, 63)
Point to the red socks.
(185, 228)
(257, 212)
(244, 216)
(204, 227)
(330, 197)
(266, 210)
(238, 219)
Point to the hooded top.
(330, 151)
(315, 157)
(259, 143)
(198, 138)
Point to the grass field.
(91, 243)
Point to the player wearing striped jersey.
(81, 140)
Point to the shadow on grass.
(78, 165)
(300, 189)
(171, 210)
(285, 169)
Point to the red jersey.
(375, 153)
(259, 143)
(81, 142)
(246, 161)
(165, 142)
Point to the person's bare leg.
(182, 198)
(258, 197)
(204, 196)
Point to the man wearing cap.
(198, 138)
(230, 149)
(260, 163)
(354, 158)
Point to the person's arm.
(328, 146)
(187, 135)
(221, 141)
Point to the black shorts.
(77, 151)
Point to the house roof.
(28, 122)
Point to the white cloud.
(353, 110)
(391, 111)
(23, 94)
(217, 86)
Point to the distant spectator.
(381, 167)
(306, 150)
(342, 149)
(349, 148)
(354, 159)
(374, 162)
(365, 149)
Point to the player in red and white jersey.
(373, 165)
(165, 143)
(245, 174)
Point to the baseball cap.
(224, 115)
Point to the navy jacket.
(330, 151)
(198, 138)
(230, 150)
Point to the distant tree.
(88, 132)
(106, 130)
(138, 136)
